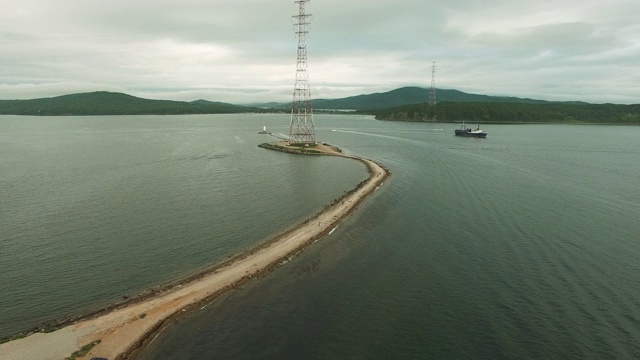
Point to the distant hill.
(404, 104)
(111, 103)
(400, 97)
(410, 104)
(513, 113)
(210, 103)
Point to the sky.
(244, 51)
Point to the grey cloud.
(244, 51)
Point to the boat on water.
(469, 132)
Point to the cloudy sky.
(243, 51)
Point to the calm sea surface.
(95, 208)
(523, 245)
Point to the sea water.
(97, 209)
(521, 245)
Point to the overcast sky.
(243, 51)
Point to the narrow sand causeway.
(123, 330)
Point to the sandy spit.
(124, 330)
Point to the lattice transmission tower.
(301, 128)
(432, 93)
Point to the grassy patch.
(83, 350)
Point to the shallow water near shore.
(521, 245)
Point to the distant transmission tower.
(301, 128)
(432, 93)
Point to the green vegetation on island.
(83, 350)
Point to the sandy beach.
(118, 333)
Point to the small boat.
(468, 132)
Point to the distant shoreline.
(402, 104)
(122, 331)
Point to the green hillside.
(410, 95)
(404, 104)
(514, 113)
(399, 97)
(110, 103)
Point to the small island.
(306, 149)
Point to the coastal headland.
(123, 330)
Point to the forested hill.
(404, 104)
(409, 95)
(549, 112)
(110, 103)
(399, 97)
